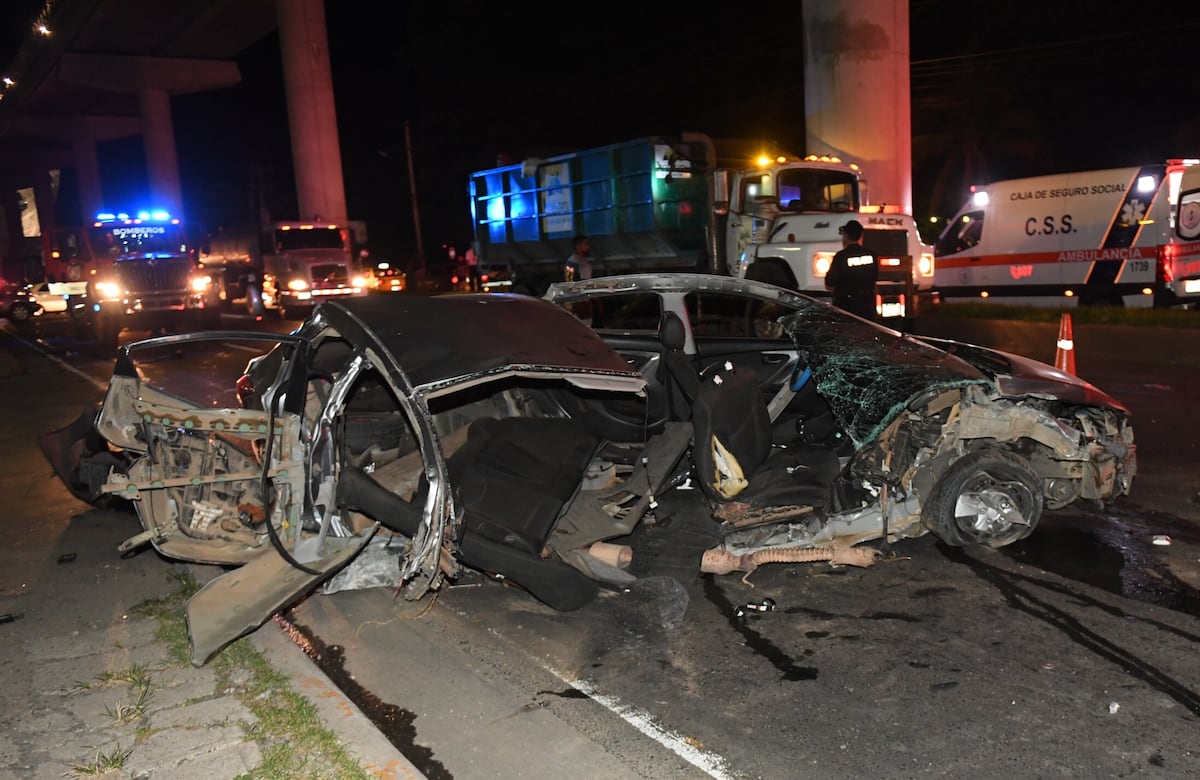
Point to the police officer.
(853, 273)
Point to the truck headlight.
(925, 264)
(297, 285)
(821, 263)
(359, 282)
(108, 289)
(201, 283)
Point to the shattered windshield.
(866, 372)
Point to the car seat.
(676, 373)
(734, 456)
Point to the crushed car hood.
(1017, 375)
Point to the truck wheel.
(254, 303)
(989, 497)
(771, 273)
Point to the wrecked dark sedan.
(394, 441)
(930, 434)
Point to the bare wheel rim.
(991, 507)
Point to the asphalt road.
(1070, 654)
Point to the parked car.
(51, 302)
(16, 303)
(628, 426)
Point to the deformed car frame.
(502, 433)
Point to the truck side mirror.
(720, 195)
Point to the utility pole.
(412, 186)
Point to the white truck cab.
(783, 229)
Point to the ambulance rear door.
(1183, 255)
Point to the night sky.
(1000, 89)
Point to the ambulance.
(1118, 237)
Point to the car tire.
(20, 312)
(989, 497)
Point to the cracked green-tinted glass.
(868, 373)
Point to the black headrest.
(670, 331)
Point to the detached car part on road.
(417, 435)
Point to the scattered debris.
(1113, 707)
(766, 605)
(1162, 540)
(10, 617)
(66, 558)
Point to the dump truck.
(691, 203)
(285, 266)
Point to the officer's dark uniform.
(853, 273)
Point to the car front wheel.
(20, 312)
(989, 497)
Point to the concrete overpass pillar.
(154, 80)
(856, 91)
(312, 117)
(162, 162)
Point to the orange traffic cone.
(1064, 358)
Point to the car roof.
(674, 282)
(439, 337)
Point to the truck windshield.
(317, 238)
(138, 238)
(817, 189)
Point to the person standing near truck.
(472, 261)
(579, 264)
(853, 273)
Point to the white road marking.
(711, 763)
(60, 362)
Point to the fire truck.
(129, 270)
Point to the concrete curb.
(355, 732)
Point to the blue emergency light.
(149, 215)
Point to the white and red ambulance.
(1116, 237)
